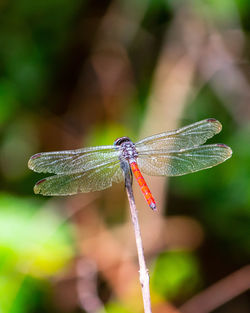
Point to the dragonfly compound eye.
(121, 140)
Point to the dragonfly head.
(121, 140)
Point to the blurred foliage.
(30, 37)
(8, 101)
(113, 307)
(34, 243)
(54, 96)
(175, 274)
(101, 135)
(229, 207)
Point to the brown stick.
(144, 276)
(219, 293)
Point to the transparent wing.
(182, 162)
(182, 138)
(98, 178)
(72, 161)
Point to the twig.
(219, 293)
(87, 286)
(144, 276)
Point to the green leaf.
(35, 243)
(115, 307)
(175, 274)
(32, 239)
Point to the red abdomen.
(143, 185)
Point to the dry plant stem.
(221, 292)
(144, 276)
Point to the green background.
(79, 73)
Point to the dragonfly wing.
(182, 162)
(94, 179)
(182, 138)
(72, 161)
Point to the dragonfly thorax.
(127, 148)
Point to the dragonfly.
(171, 153)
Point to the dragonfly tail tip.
(153, 206)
